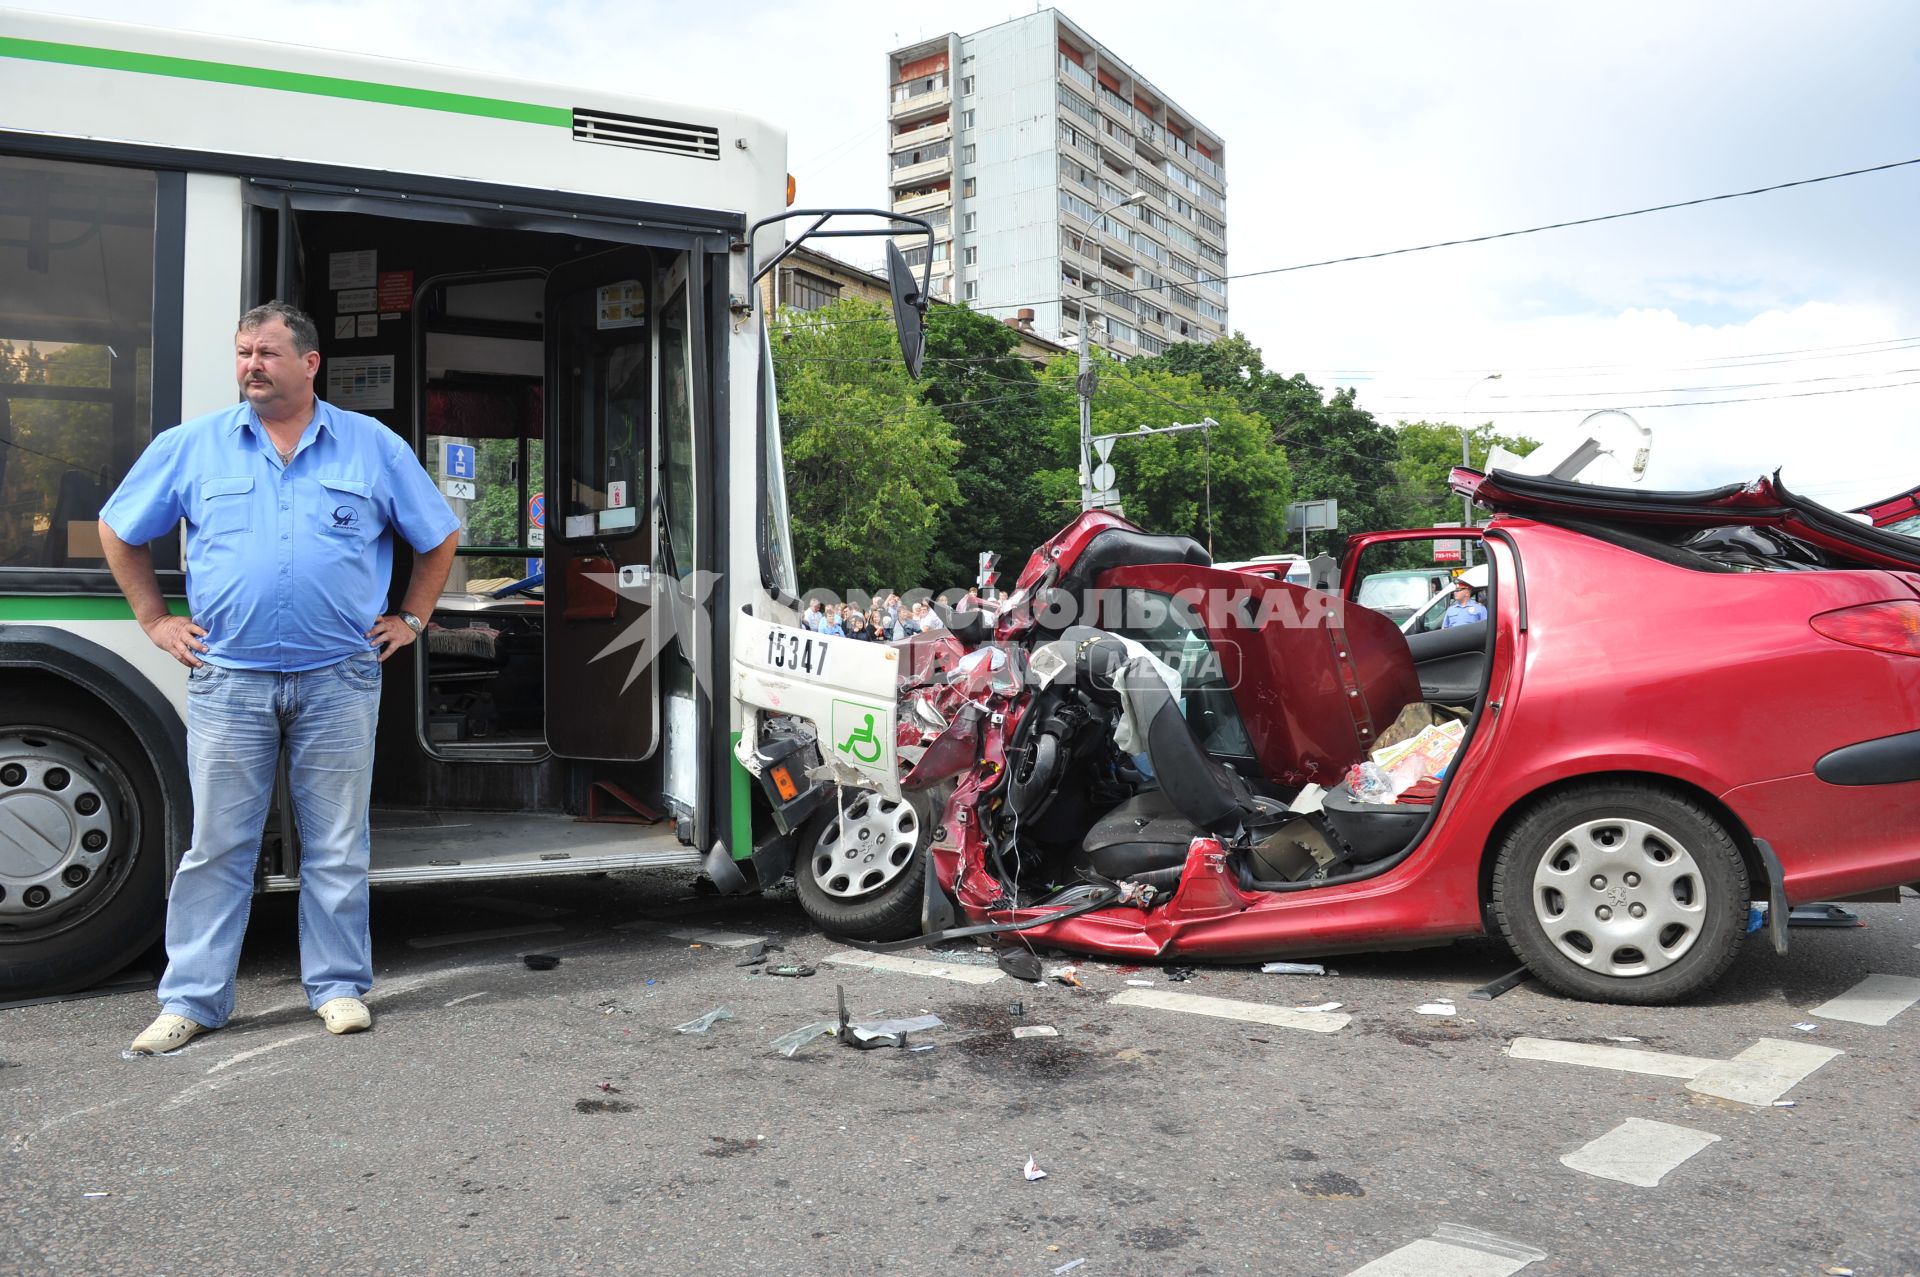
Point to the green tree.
(869, 461)
(1229, 490)
(999, 412)
(1428, 451)
(1337, 449)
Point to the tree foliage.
(1227, 487)
(869, 462)
(1428, 452)
(999, 412)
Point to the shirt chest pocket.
(226, 506)
(347, 508)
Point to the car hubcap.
(869, 846)
(58, 828)
(1620, 897)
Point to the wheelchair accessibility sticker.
(856, 731)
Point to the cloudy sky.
(1356, 128)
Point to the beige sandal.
(345, 1015)
(168, 1033)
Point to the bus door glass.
(602, 663)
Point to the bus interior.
(547, 382)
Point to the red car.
(1680, 704)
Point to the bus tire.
(83, 865)
(861, 865)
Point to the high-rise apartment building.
(1023, 144)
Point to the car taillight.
(1883, 627)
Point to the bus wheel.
(860, 867)
(82, 856)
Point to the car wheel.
(82, 839)
(862, 864)
(1621, 893)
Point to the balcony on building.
(920, 98)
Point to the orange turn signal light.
(792, 187)
(783, 784)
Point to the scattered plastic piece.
(1835, 1270)
(1615, 1039)
(96, 1194)
(1035, 1031)
(1494, 988)
(787, 1043)
(1033, 1170)
(705, 1022)
(1293, 968)
(1807, 1026)
(543, 962)
(1436, 1008)
(928, 1047)
(1141, 984)
(1177, 974)
(1324, 1006)
(1067, 976)
(609, 1088)
(785, 969)
(1021, 964)
(1069, 1266)
(1785, 1104)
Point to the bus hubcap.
(868, 847)
(56, 827)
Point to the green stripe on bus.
(285, 81)
(74, 607)
(742, 804)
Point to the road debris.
(1441, 1007)
(1035, 1031)
(1494, 988)
(1323, 1006)
(1293, 968)
(702, 1023)
(1068, 976)
(540, 961)
(792, 969)
(869, 1035)
(787, 1043)
(1069, 1266)
(1177, 974)
(1021, 964)
(1033, 1171)
(609, 1088)
(1807, 1026)
(1141, 984)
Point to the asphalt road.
(505, 1120)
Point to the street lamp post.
(1085, 381)
(1466, 459)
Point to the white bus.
(550, 293)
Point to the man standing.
(289, 503)
(1463, 610)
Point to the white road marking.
(1228, 1009)
(474, 937)
(1453, 1251)
(1623, 1059)
(914, 966)
(232, 1060)
(1875, 1000)
(1638, 1151)
(1763, 1072)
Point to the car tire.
(866, 888)
(1619, 892)
(73, 769)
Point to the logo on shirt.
(345, 516)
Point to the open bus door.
(602, 692)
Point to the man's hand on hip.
(389, 635)
(178, 637)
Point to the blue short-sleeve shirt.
(287, 566)
(1463, 614)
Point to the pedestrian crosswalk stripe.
(1453, 1251)
(1763, 1072)
(1228, 1009)
(1875, 1000)
(1638, 1151)
(1619, 1058)
(914, 966)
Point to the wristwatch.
(412, 622)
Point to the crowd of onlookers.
(888, 620)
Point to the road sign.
(458, 489)
(1446, 551)
(537, 510)
(1103, 475)
(1103, 449)
(1313, 516)
(458, 463)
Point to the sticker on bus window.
(624, 519)
(617, 494)
(579, 525)
(621, 305)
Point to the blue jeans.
(237, 723)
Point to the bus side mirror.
(909, 309)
